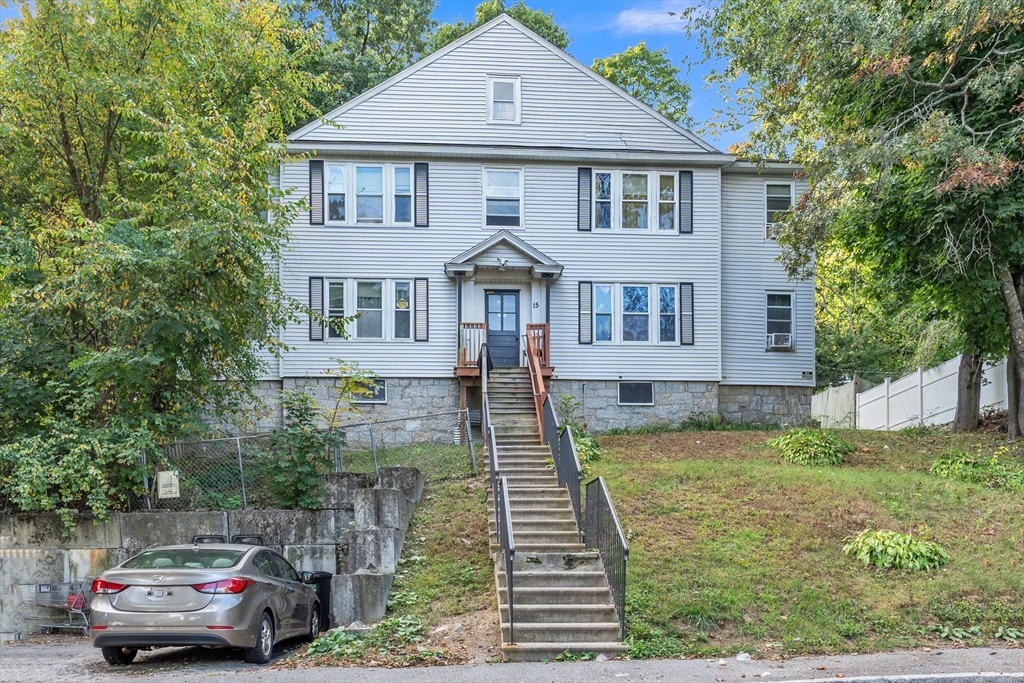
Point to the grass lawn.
(436, 461)
(733, 549)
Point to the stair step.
(537, 652)
(521, 547)
(561, 614)
(571, 578)
(524, 526)
(564, 632)
(557, 595)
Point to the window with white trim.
(370, 308)
(335, 309)
(503, 197)
(603, 313)
(402, 184)
(779, 314)
(403, 310)
(635, 201)
(503, 99)
(635, 313)
(378, 392)
(369, 194)
(778, 200)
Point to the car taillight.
(104, 587)
(235, 585)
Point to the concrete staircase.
(562, 598)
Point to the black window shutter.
(422, 173)
(583, 191)
(422, 318)
(686, 314)
(586, 306)
(316, 308)
(316, 192)
(685, 202)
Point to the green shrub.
(811, 447)
(338, 644)
(298, 454)
(893, 550)
(397, 632)
(998, 471)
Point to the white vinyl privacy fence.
(925, 397)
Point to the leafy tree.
(908, 119)
(135, 148)
(541, 23)
(649, 76)
(365, 42)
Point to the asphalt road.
(76, 661)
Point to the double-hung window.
(402, 185)
(603, 313)
(369, 306)
(336, 190)
(636, 313)
(642, 313)
(503, 99)
(778, 200)
(369, 194)
(503, 197)
(403, 310)
(635, 201)
(335, 309)
(780, 313)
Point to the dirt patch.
(472, 637)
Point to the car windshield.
(185, 558)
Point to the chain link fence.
(233, 473)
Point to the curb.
(978, 677)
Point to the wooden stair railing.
(540, 394)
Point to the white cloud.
(654, 19)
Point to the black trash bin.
(321, 582)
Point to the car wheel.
(314, 625)
(264, 642)
(119, 656)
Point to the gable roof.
(539, 263)
(502, 20)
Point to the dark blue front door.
(502, 309)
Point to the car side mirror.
(307, 577)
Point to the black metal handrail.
(567, 461)
(604, 532)
(508, 548)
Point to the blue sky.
(603, 27)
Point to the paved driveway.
(74, 660)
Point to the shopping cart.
(72, 597)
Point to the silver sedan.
(223, 595)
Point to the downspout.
(547, 300)
(458, 301)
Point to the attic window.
(503, 98)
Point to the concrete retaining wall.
(358, 536)
(764, 405)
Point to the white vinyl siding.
(446, 102)
(368, 253)
(749, 271)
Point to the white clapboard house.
(499, 188)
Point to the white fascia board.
(598, 156)
(762, 168)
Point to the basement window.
(380, 392)
(636, 393)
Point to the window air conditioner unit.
(780, 341)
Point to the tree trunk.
(1012, 397)
(968, 397)
(1015, 319)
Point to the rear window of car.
(185, 558)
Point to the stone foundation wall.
(673, 402)
(764, 405)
